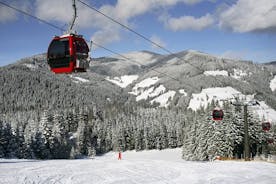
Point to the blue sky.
(239, 29)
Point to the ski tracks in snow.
(148, 167)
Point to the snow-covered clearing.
(123, 81)
(145, 167)
(216, 72)
(31, 66)
(238, 74)
(273, 84)
(266, 112)
(164, 98)
(183, 92)
(207, 95)
(144, 84)
(145, 90)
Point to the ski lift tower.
(246, 134)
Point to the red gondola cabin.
(217, 114)
(68, 53)
(270, 140)
(266, 126)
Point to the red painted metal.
(217, 114)
(67, 63)
(266, 126)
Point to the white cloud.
(7, 14)
(189, 23)
(54, 10)
(158, 41)
(250, 15)
(61, 11)
(106, 36)
(107, 31)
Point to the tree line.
(89, 131)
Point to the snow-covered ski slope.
(155, 167)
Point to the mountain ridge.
(183, 70)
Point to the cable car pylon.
(69, 52)
(246, 131)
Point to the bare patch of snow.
(164, 98)
(151, 92)
(182, 91)
(139, 88)
(159, 90)
(216, 72)
(31, 66)
(79, 79)
(145, 94)
(273, 84)
(266, 112)
(123, 81)
(207, 95)
(238, 74)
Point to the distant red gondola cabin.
(270, 141)
(266, 126)
(217, 114)
(68, 53)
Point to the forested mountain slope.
(118, 104)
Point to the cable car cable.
(109, 50)
(152, 42)
(126, 27)
(34, 17)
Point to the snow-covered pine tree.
(2, 140)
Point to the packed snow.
(123, 81)
(144, 167)
(273, 84)
(216, 72)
